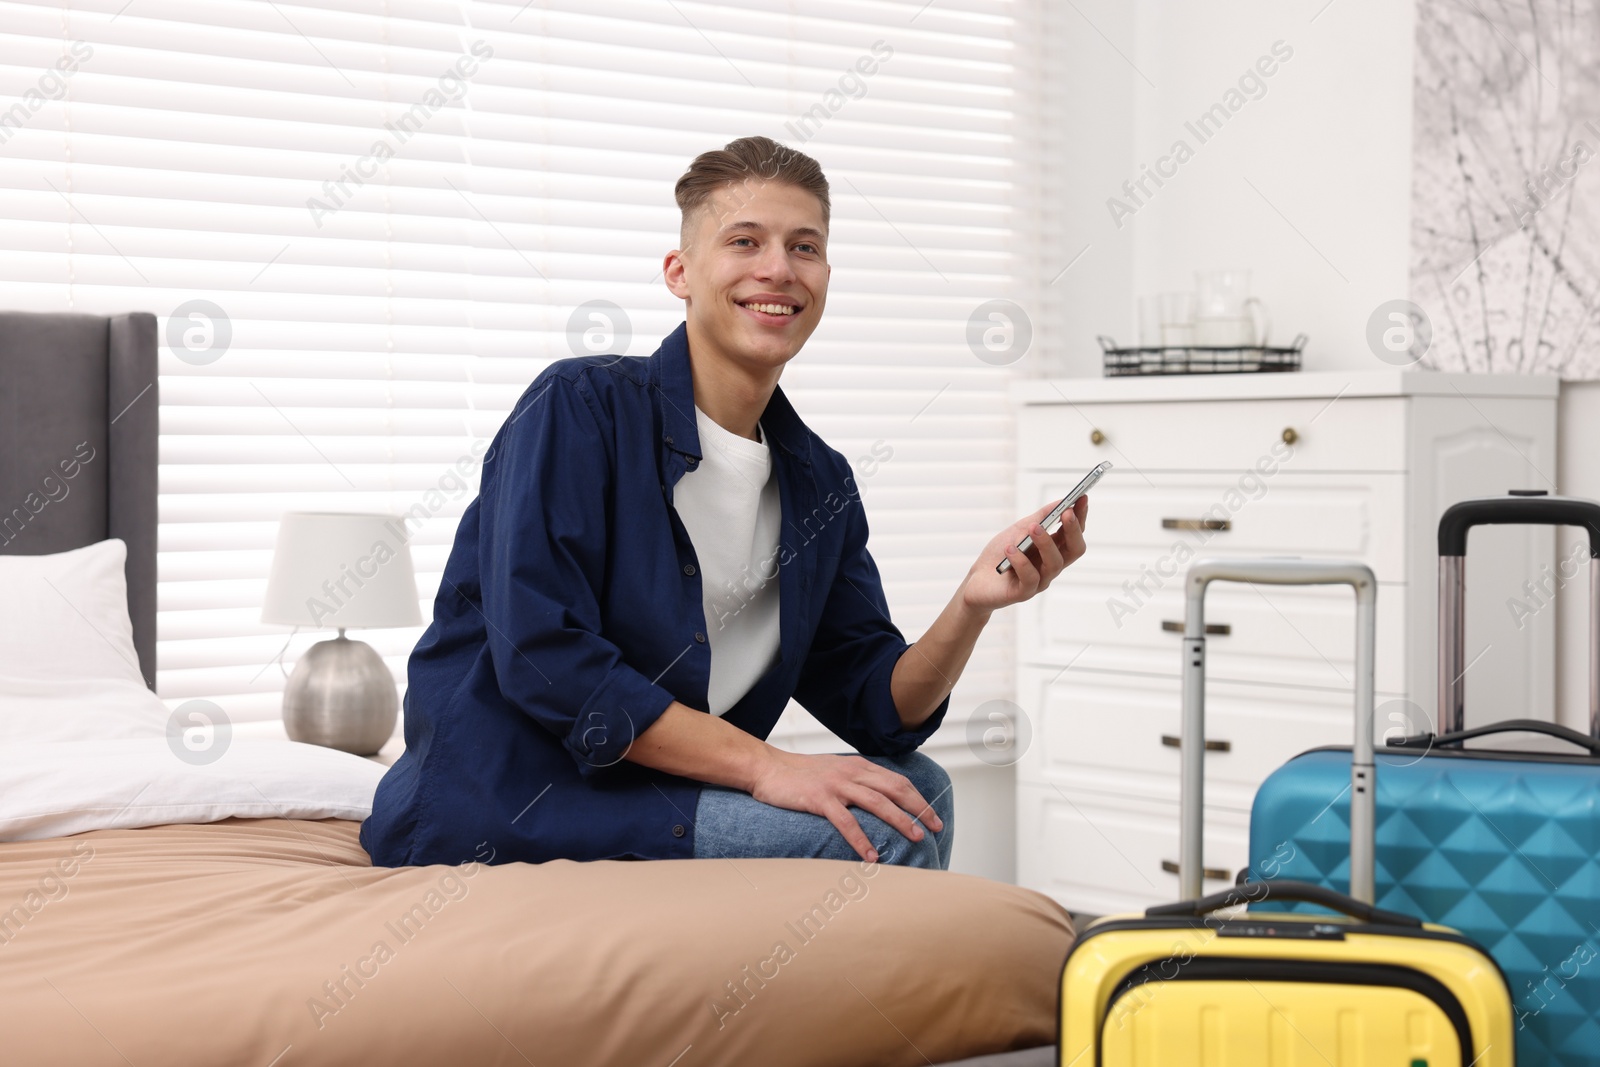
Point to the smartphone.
(1059, 510)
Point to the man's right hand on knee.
(828, 784)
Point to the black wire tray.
(1200, 359)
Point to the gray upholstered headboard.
(78, 393)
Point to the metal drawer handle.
(1219, 874)
(1211, 746)
(1220, 629)
(1197, 524)
(1096, 437)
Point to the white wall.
(1578, 440)
(1327, 149)
(985, 821)
(1088, 121)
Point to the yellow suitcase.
(1203, 982)
(1183, 985)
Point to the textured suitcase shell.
(1507, 851)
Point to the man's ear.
(673, 270)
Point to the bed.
(159, 905)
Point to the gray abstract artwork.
(1505, 230)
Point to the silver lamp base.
(341, 696)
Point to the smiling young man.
(660, 556)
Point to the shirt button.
(677, 830)
(688, 568)
(698, 636)
(668, 439)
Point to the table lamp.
(341, 570)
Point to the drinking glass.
(1177, 319)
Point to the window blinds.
(365, 226)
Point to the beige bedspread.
(274, 943)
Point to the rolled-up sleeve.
(542, 547)
(845, 679)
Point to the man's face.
(753, 243)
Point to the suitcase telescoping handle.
(1519, 509)
(1191, 813)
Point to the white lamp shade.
(341, 569)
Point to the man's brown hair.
(749, 159)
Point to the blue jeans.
(730, 823)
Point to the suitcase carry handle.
(1363, 806)
(1305, 892)
(1522, 507)
(1509, 726)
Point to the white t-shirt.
(730, 506)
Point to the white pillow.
(53, 789)
(68, 668)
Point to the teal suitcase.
(1501, 845)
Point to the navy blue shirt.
(570, 616)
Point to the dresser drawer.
(1345, 434)
(1146, 527)
(1277, 635)
(1115, 733)
(1104, 855)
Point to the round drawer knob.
(1096, 437)
(1289, 435)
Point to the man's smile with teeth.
(771, 309)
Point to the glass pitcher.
(1225, 312)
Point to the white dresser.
(1325, 465)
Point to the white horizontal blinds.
(360, 392)
(189, 146)
(383, 330)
